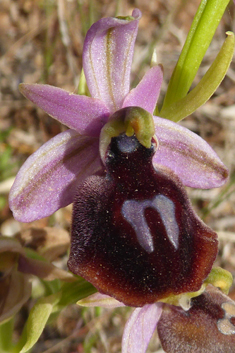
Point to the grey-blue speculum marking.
(134, 212)
(135, 235)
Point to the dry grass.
(41, 41)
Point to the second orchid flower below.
(135, 235)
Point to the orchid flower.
(48, 179)
(136, 238)
(206, 325)
(135, 235)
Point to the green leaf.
(206, 87)
(74, 291)
(70, 293)
(198, 40)
(37, 320)
(6, 331)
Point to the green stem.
(206, 87)
(6, 331)
(72, 292)
(198, 40)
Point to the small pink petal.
(107, 58)
(48, 179)
(101, 300)
(84, 114)
(145, 95)
(140, 327)
(188, 155)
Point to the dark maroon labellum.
(207, 327)
(135, 235)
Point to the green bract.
(198, 40)
(205, 88)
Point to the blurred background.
(41, 41)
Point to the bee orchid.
(48, 179)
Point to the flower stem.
(6, 330)
(206, 87)
(198, 40)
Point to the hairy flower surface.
(135, 235)
(207, 326)
(48, 179)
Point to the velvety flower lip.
(47, 180)
(208, 326)
(134, 233)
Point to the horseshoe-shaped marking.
(133, 212)
(224, 325)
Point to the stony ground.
(41, 42)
